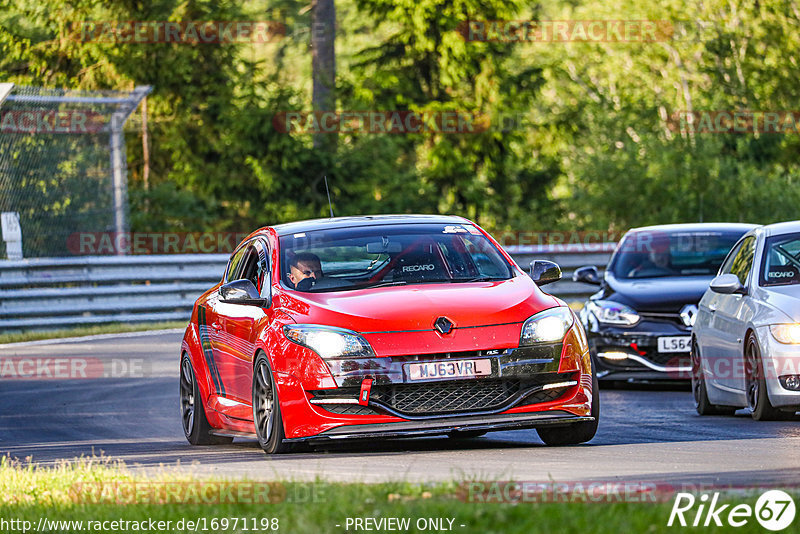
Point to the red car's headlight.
(547, 326)
(329, 341)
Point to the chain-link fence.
(62, 164)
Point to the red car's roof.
(367, 220)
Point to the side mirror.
(544, 272)
(726, 284)
(587, 275)
(242, 292)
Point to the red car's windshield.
(355, 258)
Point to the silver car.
(746, 337)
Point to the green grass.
(86, 490)
(111, 328)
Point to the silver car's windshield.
(343, 259)
(780, 265)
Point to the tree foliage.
(589, 145)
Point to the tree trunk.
(323, 65)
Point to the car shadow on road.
(149, 453)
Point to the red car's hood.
(416, 307)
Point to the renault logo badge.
(688, 314)
(443, 325)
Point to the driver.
(656, 262)
(305, 266)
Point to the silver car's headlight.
(547, 326)
(786, 333)
(610, 312)
(329, 341)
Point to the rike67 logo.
(774, 510)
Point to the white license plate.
(454, 369)
(674, 344)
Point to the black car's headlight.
(610, 312)
(329, 341)
(547, 326)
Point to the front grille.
(673, 318)
(454, 396)
(447, 397)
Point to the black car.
(640, 321)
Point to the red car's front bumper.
(528, 387)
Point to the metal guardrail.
(46, 293)
(569, 258)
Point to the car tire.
(575, 433)
(267, 409)
(756, 385)
(699, 390)
(193, 414)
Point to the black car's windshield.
(394, 254)
(656, 254)
(780, 265)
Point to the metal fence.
(50, 293)
(62, 164)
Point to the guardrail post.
(119, 175)
(5, 90)
(12, 234)
(119, 183)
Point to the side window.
(262, 268)
(235, 265)
(251, 263)
(743, 261)
(251, 266)
(728, 261)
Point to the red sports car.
(382, 327)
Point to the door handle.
(216, 326)
(712, 309)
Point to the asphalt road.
(649, 434)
